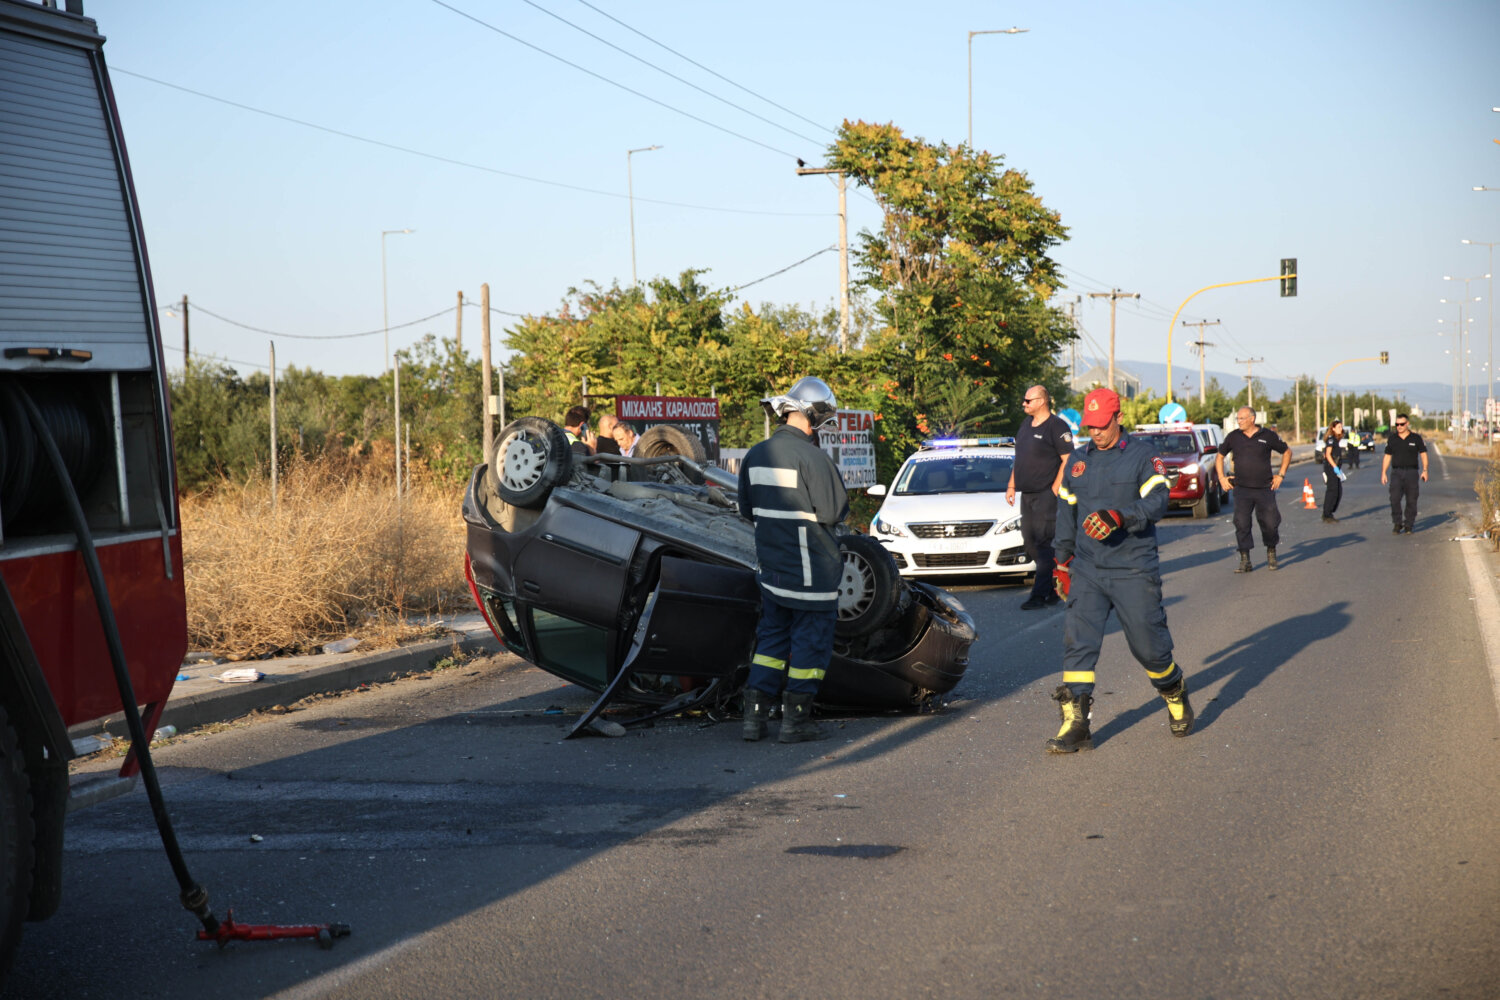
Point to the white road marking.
(1486, 606)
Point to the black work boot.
(1074, 734)
(757, 711)
(797, 725)
(1244, 566)
(1271, 558)
(1179, 707)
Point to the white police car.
(946, 513)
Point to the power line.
(448, 159)
(646, 62)
(705, 69)
(784, 270)
(583, 69)
(306, 336)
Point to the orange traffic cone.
(1308, 501)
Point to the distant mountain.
(1430, 397)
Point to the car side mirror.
(878, 490)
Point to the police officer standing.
(1111, 497)
(1042, 442)
(1333, 475)
(1254, 484)
(1399, 468)
(792, 492)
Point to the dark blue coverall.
(793, 493)
(1122, 571)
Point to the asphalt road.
(1329, 829)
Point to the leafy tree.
(960, 266)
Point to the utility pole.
(1072, 308)
(1114, 295)
(485, 398)
(458, 333)
(273, 424)
(186, 355)
(1249, 364)
(1201, 345)
(843, 251)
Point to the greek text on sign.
(666, 408)
(850, 446)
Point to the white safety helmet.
(810, 396)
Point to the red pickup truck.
(1189, 452)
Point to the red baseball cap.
(1099, 407)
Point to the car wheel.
(664, 439)
(1200, 509)
(531, 456)
(869, 589)
(17, 842)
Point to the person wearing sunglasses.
(1043, 441)
(1405, 451)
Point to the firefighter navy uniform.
(791, 490)
(1120, 572)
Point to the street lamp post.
(630, 193)
(997, 31)
(1489, 416)
(385, 311)
(1463, 333)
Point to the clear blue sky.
(1185, 144)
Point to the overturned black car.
(635, 577)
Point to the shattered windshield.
(954, 474)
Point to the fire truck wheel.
(17, 847)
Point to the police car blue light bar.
(974, 442)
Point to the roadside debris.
(341, 645)
(240, 675)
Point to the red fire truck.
(92, 610)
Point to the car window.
(574, 650)
(955, 474)
(1170, 444)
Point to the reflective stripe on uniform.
(785, 515)
(1063, 493)
(1078, 677)
(1157, 675)
(769, 662)
(1154, 482)
(803, 674)
(765, 475)
(806, 556)
(801, 595)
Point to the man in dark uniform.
(792, 492)
(1111, 497)
(1255, 485)
(1042, 442)
(1333, 474)
(1398, 467)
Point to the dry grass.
(336, 556)
(1487, 488)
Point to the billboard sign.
(852, 447)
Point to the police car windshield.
(1168, 444)
(954, 474)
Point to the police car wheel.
(530, 457)
(869, 588)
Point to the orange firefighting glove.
(1102, 523)
(1062, 578)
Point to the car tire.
(869, 589)
(17, 843)
(530, 457)
(664, 439)
(1200, 509)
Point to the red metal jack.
(228, 931)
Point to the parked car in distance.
(635, 577)
(1188, 451)
(946, 512)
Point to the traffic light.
(1288, 277)
(1385, 357)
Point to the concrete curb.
(224, 702)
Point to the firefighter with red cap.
(1113, 492)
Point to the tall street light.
(1458, 342)
(385, 310)
(997, 31)
(630, 191)
(1489, 415)
(1463, 331)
